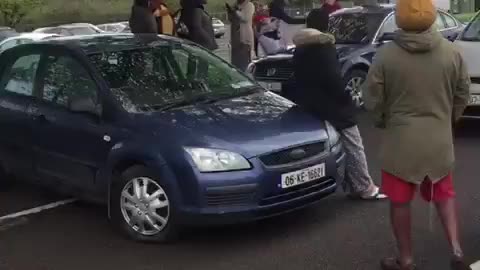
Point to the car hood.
(250, 125)
(343, 50)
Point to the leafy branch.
(14, 11)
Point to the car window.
(65, 78)
(355, 28)
(472, 32)
(390, 25)
(439, 22)
(20, 77)
(449, 21)
(148, 79)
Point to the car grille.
(472, 111)
(475, 80)
(284, 157)
(230, 196)
(298, 191)
(279, 70)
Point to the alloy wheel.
(353, 87)
(145, 206)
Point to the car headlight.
(333, 135)
(214, 160)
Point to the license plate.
(474, 100)
(272, 86)
(303, 176)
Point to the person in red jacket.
(330, 5)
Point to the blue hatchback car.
(162, 131)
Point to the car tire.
(354, 81)
(133, 215)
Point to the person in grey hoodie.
(142, 20)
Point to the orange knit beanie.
(415, 15)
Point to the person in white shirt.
(242, 37)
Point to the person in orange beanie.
(417, 85)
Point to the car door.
(18, 75)
(69, 145)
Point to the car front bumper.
(262, 198)
(473, 109)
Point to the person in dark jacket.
(198, 23)
(321, 91)
(142, 20)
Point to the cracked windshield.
(239, 134)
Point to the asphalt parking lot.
(334, 234)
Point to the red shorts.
(400, 191)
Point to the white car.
(74, 29)
(119, 27)
(23, 39)
(218, 27)
(469, 44)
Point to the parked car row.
(359, 32)
(123, 27)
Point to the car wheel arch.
(122, 160)
(361, 66)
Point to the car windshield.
(169, 75)
(472, 33)
(355, 28)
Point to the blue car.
(359, 32)
(162, 131)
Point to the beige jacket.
(245, 17)
(417, 86)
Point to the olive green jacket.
(416, 89)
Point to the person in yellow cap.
(417, 88)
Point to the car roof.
(98, 43)
(35, 36)
(367, 9)
(371, 9)
(73, 25)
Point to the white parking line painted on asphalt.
(36, 210)
(475, 266)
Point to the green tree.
(14, 11)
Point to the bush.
(14, 11)
(55, 12)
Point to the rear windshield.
(355, 28)
(472, 32)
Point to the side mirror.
(84, 105)
(453, 36)
(385, 37)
